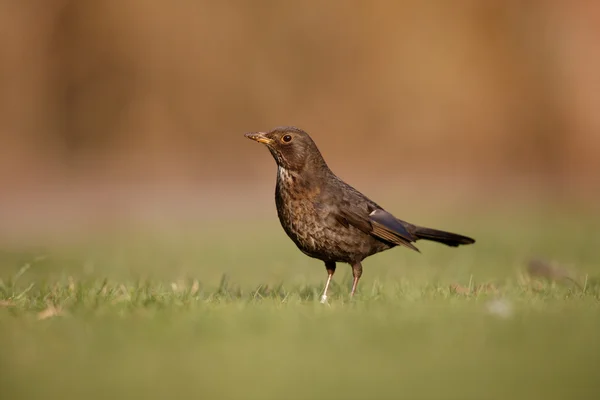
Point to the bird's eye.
(287, 138)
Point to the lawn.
(215, 314)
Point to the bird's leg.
(356, 272)
(330, 266)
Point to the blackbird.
(328, 219)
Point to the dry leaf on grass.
(551, 271)
(481, 288)
(456, 288)
(51, 311)
(195, 287)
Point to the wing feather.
(387, 227)
(353, 209)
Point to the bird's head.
(292, 148)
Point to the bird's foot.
(324, 299)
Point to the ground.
(211, 313)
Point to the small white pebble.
(500, 308)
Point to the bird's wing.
(389, 228)
(354, 209)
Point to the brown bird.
(327, 218)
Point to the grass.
(210, 314)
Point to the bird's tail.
(447, 238)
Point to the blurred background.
(134, 110)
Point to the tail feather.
(447, 238)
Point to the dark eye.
(287, 138)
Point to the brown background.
(131, 107)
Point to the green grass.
(212, 314)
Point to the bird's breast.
(299, 216)
(305, 217)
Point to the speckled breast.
(297, 214)
(316, 234)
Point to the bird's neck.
(287, 176)
(306, 179)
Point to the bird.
(328, 219)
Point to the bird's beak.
(259, 137)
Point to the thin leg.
(356, 272)
(330, 266)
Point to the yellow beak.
(259, 137)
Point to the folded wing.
(378, 223)
(389, 228)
